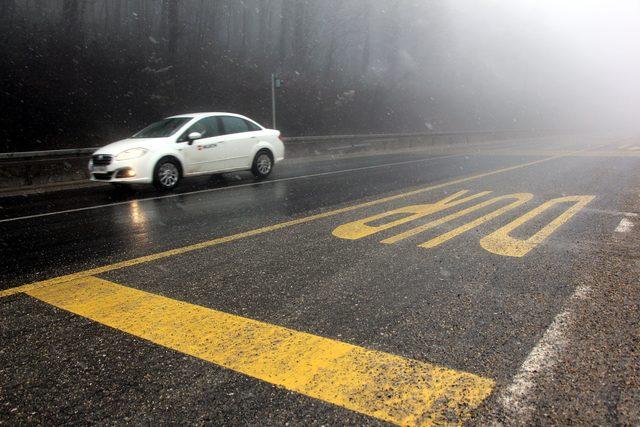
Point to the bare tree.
(173, 19)
(71, 15)
(7, 10)
(265, 16)
(244, 30)
(285, 27)
(116, 16)
(393, 35)
(300, 25)
(366, 47)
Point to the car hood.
(118, 147)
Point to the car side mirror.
(193, 136)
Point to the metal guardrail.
(29, 168)
(408, 135)
(48, 153)
(54, 154)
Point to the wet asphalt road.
(457, 304)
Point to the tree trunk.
(228, 20)
(285, 19)
(116, 17)
(71, 16)
(366, 48)
(7, 10)
(299, 33)
(264, 24)
(393, 37)
(244, 28)
(174, 30)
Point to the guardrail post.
(28, 179)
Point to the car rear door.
(240, 138)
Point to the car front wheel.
(167, 174)
(262, 164)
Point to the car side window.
(234, 125)
(252, 127)
(207, 127)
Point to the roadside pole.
(276, 83)
(273, 101)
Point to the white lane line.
(208, 190)
(625, 226)
(516, 399)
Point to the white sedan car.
(188, 145)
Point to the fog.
(578, 60)
(84, 72)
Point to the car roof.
(197, 115)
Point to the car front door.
(204, 154)
(239, 140)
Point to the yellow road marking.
(361, 228)
(520, 199)
(378, 384)
(499, 242)
(258, 231)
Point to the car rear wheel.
(167, 174)
(262, 164)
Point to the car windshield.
(163, 128)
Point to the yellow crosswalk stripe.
(375, 383)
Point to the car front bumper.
(114, 172)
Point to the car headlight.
(133, 153)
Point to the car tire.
(262, 164)
(167, 174)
